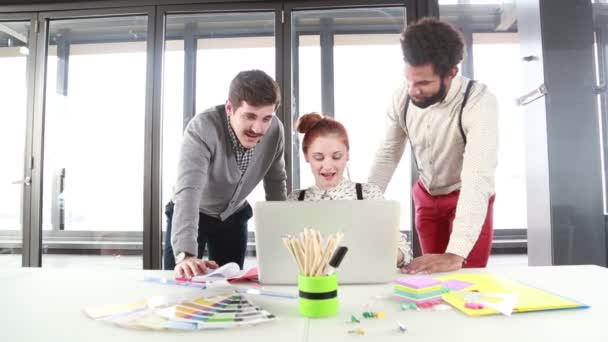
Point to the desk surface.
(47, 305)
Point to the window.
(213, 48)
(14, 52)
(334, 75)
(490, 32)
(94, 129)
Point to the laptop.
(371, 233)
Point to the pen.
(335, 260)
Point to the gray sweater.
(209, 180)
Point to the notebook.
(371, 233)
(230, 271)
(527, 298)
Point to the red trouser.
(434, 218)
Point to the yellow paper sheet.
(528, 298)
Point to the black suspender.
(467, 92)
(464, 103)
(359, 191)
(301, 195)
(358, 187)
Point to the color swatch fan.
(198, 313)
(217, 312)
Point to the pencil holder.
(318, 295)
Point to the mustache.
(254, 134)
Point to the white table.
(47, 305)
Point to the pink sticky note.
(417, 282)
(456, 285)
(474, 306)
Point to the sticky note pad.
(421, 291)
(434, 300)
(419, 296)
(418, 282)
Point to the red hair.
(314, 125)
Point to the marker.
(336, 259)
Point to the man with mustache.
(451, 124)
(226, 151)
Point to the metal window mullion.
(190, 55)
(287, 88)
(602, 48)
(295, 60)
(63, 62)
(61, 88)
(282, 32)
(32, 254)
(26, 192)
(468, 69)
(327, 67)
(152, 230)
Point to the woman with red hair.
(326, 149)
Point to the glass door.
(93, 138)
(16, 53)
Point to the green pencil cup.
(318, 295)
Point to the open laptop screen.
(371, 233)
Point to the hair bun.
(308, 121)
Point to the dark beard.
(438, 97)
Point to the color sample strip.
(215, 312)
(218, 312)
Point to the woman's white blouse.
(346, 190)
